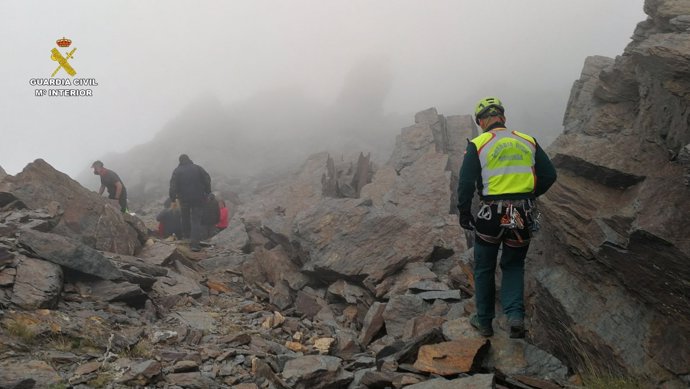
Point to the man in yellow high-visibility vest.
(509, 170)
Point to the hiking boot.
(517, 327)
(483, 330)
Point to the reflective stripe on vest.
(507, 159)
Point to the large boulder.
(86, 216)
(69, 253)
(348, 239)
(609, 272)
(234, 238)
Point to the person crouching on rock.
(169, 220)
(111, 181)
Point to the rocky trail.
(214, 328)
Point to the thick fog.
(223, 73)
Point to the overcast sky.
(151, 58)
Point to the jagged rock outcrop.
(403, 215)
(3, 173)
(75, 211)
(610, 270)
(448, 135)
(347, 180)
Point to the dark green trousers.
(512, 282)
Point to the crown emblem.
(64, 42)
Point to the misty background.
(249, 86)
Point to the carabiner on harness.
(508, 220)
(484, 212)
(516, 218)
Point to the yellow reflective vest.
(507, 161)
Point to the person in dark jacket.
(170, 220)
(112, 182)
(509, 170)
(190, 184)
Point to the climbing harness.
(512, 223)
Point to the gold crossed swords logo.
(56, 56)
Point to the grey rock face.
(37, 284)
(580, 104)
(663, 12)
(616, 218)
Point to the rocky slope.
(343, 275)
(610, 272)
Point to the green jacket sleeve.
(470, 172)
(545, 172)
